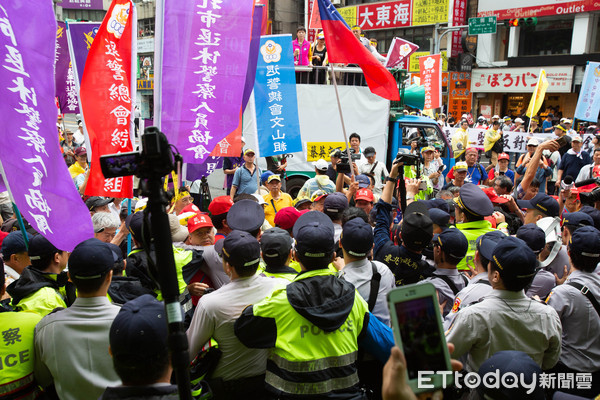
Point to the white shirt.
(359, 273)
(215, 316)
(379, 173)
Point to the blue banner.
(277, 124)
(588, 103)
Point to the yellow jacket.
(459, 142)
(490, 139)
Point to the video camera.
(344, 165)
(406, 159)
(589, 198)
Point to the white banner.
(520, 80)
(514, 142)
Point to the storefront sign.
(520, 80)
(459, 94)
(392, 14)
(145, 45)
(534, 8)
(401, 13)
(83, 4)
(429, 12)
(459, 17)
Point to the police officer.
(540, 206)
(449, 247)
(479, 286)
(472, 206)
(543, 281)
(15, 255)
(17, 353)
(276, 250)
(312, 325)
(576, 302)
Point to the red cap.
(503, 156)
(286, 217)
(493, 196)
(199, 221)
(191, 208)
(364, 194)
(220, 205)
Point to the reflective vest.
(42, 301)
(307, 360)
(472, 230)
(17, 355)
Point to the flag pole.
(337, 96)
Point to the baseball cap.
(426, 149)
(246, 215)
(321, 164)
(134, 223)
(493, 196)
(40, 250)
(586, 241)
(417, 227)
(533, 235)
(318, 195)
(363, 181)
(541, 202)
(314, 233)
(275, 242)
(436, 203)
(473, 199)
(248, 151)
(514, 260)
(357, 237)
(220, 205)
(274, 177)
(97, 201)
(517, 363)
(190, 208)
(496, 117)
(364, 194)
(199, 221)
(321, 35)
(576, 138)
(265, 175)
(335, 202)
(259, 199)
(453, 243)
(90, 259)
(14, 243)
(369, 151)
(461, 166)
(503, 156)
(533, 142)
(286, 217)
(592, 212)
(299, 202)
(486, 243)
(577, 220)
(80, 151)
(519, 120)
(439, 217)
(139, 329)
(567, 121)
(241, 249)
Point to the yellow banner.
(413, 65)
(538, 95)
(428, 12)
(349, 15)
(317, 150)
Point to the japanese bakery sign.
(534, 8)
(520, 80)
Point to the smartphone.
(418, 331)
(562, 141)
(441, 168)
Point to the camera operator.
(374, 168)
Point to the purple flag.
(197, 171)
(202, 72)
(66, 91)
(80, 35)
(253, 58)
(34, 169)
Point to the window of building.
(146, 27)
(84, 15)
(549, 36)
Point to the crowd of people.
(285, 298)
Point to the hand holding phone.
(418, 331)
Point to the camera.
(589, 198)
(344, 165)
(155, 160)
(407, 159)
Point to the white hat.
(321, 165)
(567, 121)
(533, 142)
(496, 116)
(576, 138)
(519, 120)
(260, 199)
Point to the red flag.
(344, 47)
(400, 49)
(431, 79)
(108, 96)
(315, 17)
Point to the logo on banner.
(271, 52)
(118, 20)
(429, 63)
(597, 71)
(405, 50)
(89, 37)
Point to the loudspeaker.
(414, 96)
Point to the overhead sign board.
(507, 9)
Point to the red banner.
(431, 78)
(108, 97)
(459, 17)
(391, 14)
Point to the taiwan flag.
(343, 47)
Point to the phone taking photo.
(418, 331)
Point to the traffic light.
(530, 21)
